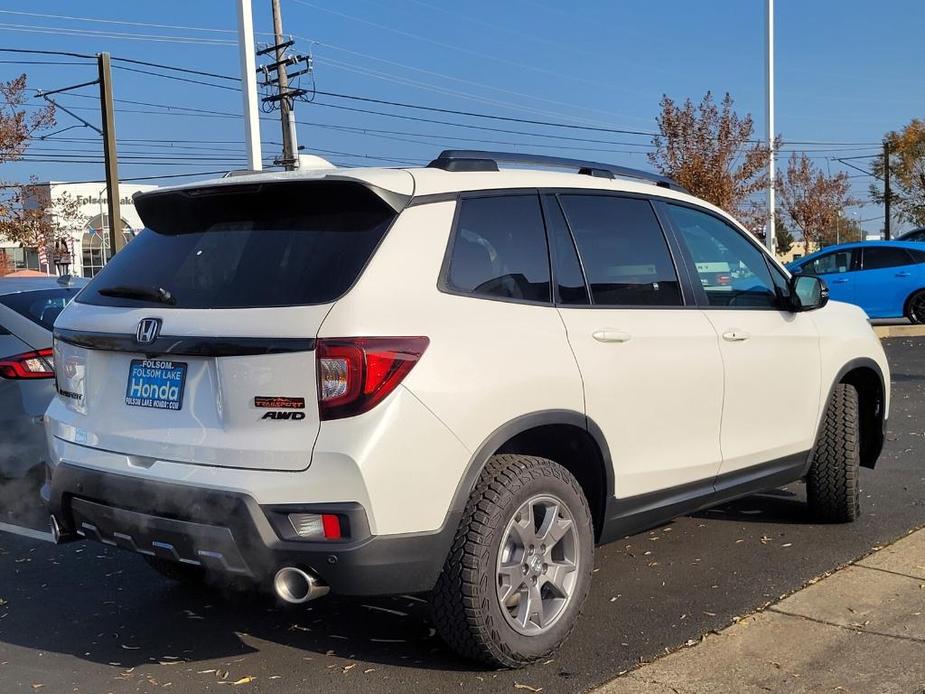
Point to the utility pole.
(249, 84)
(116, 239)
(287, 117)
(886, 190)
(769, 84)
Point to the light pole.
(769, 85)
(249, 84)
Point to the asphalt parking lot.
(85, 618)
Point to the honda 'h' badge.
(148, 329)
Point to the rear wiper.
(158, 294)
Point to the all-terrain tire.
(466, 608)
(832, 483)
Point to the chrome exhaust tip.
(57, 534)
(296, 586)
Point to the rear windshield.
(272, 244)
(41, 306)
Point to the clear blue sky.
(847, 72)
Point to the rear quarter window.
(499, 249)
(249, 246)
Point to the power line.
(34, 29)
(116, 21)
(401, 104)
(174, 77)
(44, 62)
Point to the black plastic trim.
(189, 517)
(478, 160)
(872, 454)
(186, 345)
(516, 426)
(637, 513)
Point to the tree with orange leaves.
(710, 150)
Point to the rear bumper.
(231, 533)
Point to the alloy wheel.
(537, 565)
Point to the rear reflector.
(355, 374)
(316, 526)
(28, 365)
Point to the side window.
(499, 249)
(569, 278)
(831, 263)
(732, 271)
(878, 257)
(623, 251)
(917, 255)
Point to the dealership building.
(85, 246)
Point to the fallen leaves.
(518, 685)
(247, 679)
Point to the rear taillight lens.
(38, 364)
(355, 374)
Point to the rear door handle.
(735, 336)
(611, 335)
(839, 281)
(903, 273)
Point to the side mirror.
(807, 293)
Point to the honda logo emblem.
(148, 330)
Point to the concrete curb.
(883, 331)
(860, 629)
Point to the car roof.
(416, 182)
(912, 245)
(14, 285)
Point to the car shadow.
(774, 506)
(108, 607)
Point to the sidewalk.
(862, 629)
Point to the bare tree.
(813, 201)
(710, 150)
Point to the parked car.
(28, 308)
(885, 278)
(914, 235)
(454, 380)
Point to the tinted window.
(878, 257)
(277, 244)
(623, 251)
(499, 249)
(917, 256)
(830, 263)
(40, 306)
(917, 235)
(570, 280)
(732, 271)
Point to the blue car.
(885, 278)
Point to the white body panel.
(661, 373)
(772, 368)
(488, 361)
(676, 402)
(218, 423)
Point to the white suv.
(454, 380)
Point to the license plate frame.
(156, 383)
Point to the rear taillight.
(38, 364)
(355, 374)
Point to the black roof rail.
(477, 160)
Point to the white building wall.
(93, 205)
